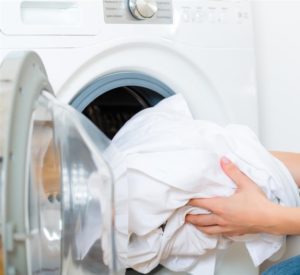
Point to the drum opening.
(110, 111)
(111, 100)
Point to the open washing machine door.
(56, 189)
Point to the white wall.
(277, 41)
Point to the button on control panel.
(138, 11)
(214, 12)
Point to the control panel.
(138, 11)
(201, 23)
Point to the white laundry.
(165, 158)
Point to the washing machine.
(72, 73)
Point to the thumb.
(233, 172)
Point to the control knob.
(143, 9)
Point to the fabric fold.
(166, 158)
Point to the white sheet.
(165, 158)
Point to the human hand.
(246, 211)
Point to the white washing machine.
(108, 59)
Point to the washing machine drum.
(56, 189)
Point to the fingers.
(232, 171)
(211, 224)
(219, 230)
(232, 234)
(212, 230)
(211, 204)
(203, 220)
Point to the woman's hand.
(246, 211)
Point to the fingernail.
(187, 219)
(225, 160)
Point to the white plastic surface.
(40, 17)
(47, 13)
(278, 64)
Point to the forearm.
(280, 220)
(292, 162)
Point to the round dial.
(143, 9)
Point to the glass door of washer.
(56, 189)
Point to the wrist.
(270, 219)
(281, 220)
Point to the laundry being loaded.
(160, 160)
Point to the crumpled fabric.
(161, 159)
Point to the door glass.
(45, 219)
(70, 194)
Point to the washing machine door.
(56, 189)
